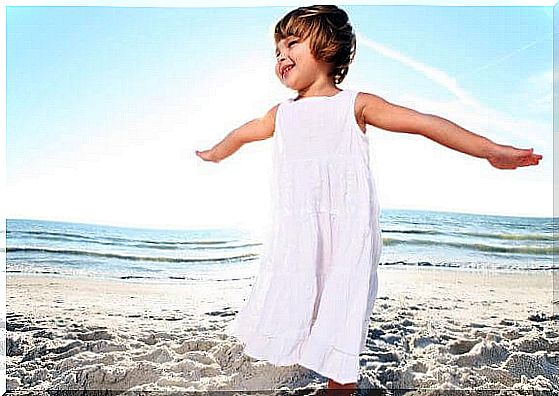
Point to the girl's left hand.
(508, 157)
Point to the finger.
(527, 152)
(530, 163)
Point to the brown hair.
(332, 39)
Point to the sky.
(107, 102)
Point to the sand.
(432, 330)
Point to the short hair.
(332, 39)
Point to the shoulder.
(369, 105)
(364, 101)
(268, 120)
(270, 115)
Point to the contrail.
(506, 56)
(437, 76)
(449, 83)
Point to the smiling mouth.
(286, 70)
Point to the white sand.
(431, 329)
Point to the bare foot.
(336, 385)
(335, 388)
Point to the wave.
(506, 236)
(141, 243)
(536, 250)
(242, 257)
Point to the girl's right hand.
(206, 155)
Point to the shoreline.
(396, 266)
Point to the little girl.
(317, 280)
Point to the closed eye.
(288, 46)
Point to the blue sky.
(106, 105)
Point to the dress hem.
(320, 357)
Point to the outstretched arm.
(257, 129)
(385, 115)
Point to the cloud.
(539, 92)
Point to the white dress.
(317, 279)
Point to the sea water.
(456, 241)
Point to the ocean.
(456, 241)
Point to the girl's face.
(296, 67)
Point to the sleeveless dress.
(317, 278)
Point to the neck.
(324, 90)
